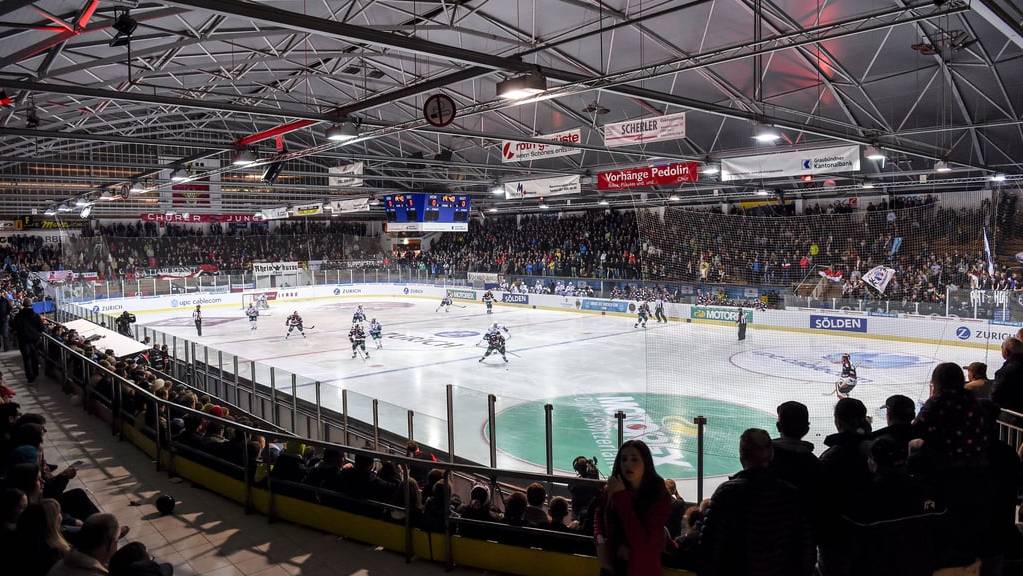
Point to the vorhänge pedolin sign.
(799, 163)
(667, 175)
(515, 151)
(656, 129)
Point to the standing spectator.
(5, 316)
(1007, 390)
(756, 524)
(899, 413)
(630, 518)
(794, 460)
(847, 475)
(39, 541)
(95, 544)
(978, 382)
(951, 425)
(1006, 478)
(28, 326)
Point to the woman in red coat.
(631, 514)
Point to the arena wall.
(897, 328)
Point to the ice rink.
(587, 366)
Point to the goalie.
(358, 339)
(845, 385)
(294, 322)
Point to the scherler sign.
(515, 151)
(657, 129)
(667, 175)
(800, 163)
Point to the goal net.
(261, 300)
(800, 273)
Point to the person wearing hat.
(978, 382)
(899, 413)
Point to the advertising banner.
(717, 313)
(337, 178)
(666, 175)
(799, 163)
(44, 223)
(515, 298)
(483, 277)
(274, 268)
(200, 193)
(838, 323)
(515, 151)
(462, 294)
(604, 305)
(186, 218)
(308, 209)
(656, 129)
(353, 205)
(543, 187)
(274, 213)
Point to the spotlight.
(942, 166)
(179, 174)
(673, 198)
(497, 190)
(603, 203)
(492, 210)
(710, 169)
(766, 134)
(272, 172)
(523, 86)
(763, 193)
(544, 206)
(243, 157)
(998, 177)
(867, 186)
(341, 132)
(874, 153)
(125, 26)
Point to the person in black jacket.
(28, 326)
(899, 412)
(1007, 391)
(5, 316)
(755, 523)
(794, 460)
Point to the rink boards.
(849, 323)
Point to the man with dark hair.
(28, 326)
(1007, 391)
(846, 475)
(899, 413)
(794, 460)
(755, 523)
(95, 544)
(977, 380)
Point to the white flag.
(987, 254)
(879, 277)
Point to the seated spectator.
(678, 509)
(536, 514)
(12, 503)
(899, 414)
(515, 509)
(327, 473)
(559, 513)
(978, 382)
(26, 478)
(438, 507)
(893, 492)
(1007, 390)
(358, 480)
(755, 523)
(289, 466)
(133, 559)
(793, 459)
(478, 507)
(630, 518)
(95, 544)
(39, 540)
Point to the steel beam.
(994, 15)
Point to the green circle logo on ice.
(585, 425)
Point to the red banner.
(643, 176)
(195, 218)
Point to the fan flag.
(833, 275)
(878, 277)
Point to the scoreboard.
(418, 212)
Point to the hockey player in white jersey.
(376, 332)
(359, 316)
(253, 315)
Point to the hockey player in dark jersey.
(359, 316)
(357, 336)
(495, 343)
(445, 303)
(845, 386)
(488, 299)
(294, 322)
(376, 332)
(642, 313)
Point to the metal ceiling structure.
(925, 80)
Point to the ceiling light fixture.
(342, 132)
(179, 174)
(136, 188)
(762, 192)
(125, 26)
(998, 177)
(942, 166)
(867, 186)
(523, 86)
(82, 202)
(63, 208)
(497, 190)
(710, 169)
(673, 198)
(603, 203)
(874, 153)
(49, 212)
(544, 206)
(766, 134)
(492, 210)
(243, 157)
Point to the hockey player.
(659, 310)
(261, 302)
(642, 313)
(445, 303)
(496, 328)
(376, 332)
(488, 299)
(845, 386)
(294, 322)
(359, 316)
(358, 339)
(495, 343)
(253, 315)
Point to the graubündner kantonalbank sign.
(799, 163)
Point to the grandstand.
(577, 288)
